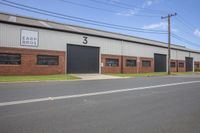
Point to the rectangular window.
(146, 63)
(181, 64)
(112, 62)
(47, 60)
(173, 64)
(131, 63)
(196, 65)
(8, 58)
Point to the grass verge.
(36, 78)
(151, 74)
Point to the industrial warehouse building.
(31, 46)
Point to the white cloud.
(147, 3)
(174, 30)
(161, 25)
(131, 12)
(197, 32)
(128, 12)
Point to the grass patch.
(36, 78)
(185, 73)
(151, 74)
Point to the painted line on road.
(91, 94)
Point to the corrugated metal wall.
(55, 40)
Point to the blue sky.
(144, 14)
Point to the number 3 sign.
(85, 41)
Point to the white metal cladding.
(9, 35)
(181, 55)
(195, 56)
(135, 49)
(55, 40)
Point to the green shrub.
(197, 69)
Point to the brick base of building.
(196, 65)
(177, 68)
(29, 65)
(122, 68)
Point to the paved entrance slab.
(95, 76)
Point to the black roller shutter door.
(159, 63)
(189, 64)
(82, 59)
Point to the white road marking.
(91, 94)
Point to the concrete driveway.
(95, 76)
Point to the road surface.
(135, 105)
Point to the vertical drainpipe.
(177, 63)
(66, 59)
(138, 64)
(122, 61)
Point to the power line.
(103, 9)
(77, 19)
(186, 33)
(88, 6)
(125, 6)
(185, 24)
(184, 40)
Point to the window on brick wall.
(47, 60)
(112, 62)
(196, 65)
(131, 63)
(181, 64)
(146, 63)
(8, 58)
(173, 64)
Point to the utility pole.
(169, 39)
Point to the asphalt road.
(160, 105)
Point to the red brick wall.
(174, 69)
(122, 68)
(127, 69)
(197, 63)
(29, 63)
(146, 69)
(181, 69)
(109, 69)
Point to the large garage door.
(189, 64)
(159, 63)
(82, 59)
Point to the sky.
(142, 14)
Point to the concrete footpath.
(95, 76)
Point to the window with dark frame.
(131, 63)
(112, 62)
(181, 64)
(146, 63)
(47, 60)
(9, 58)
(196, 65)
(173, 64)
